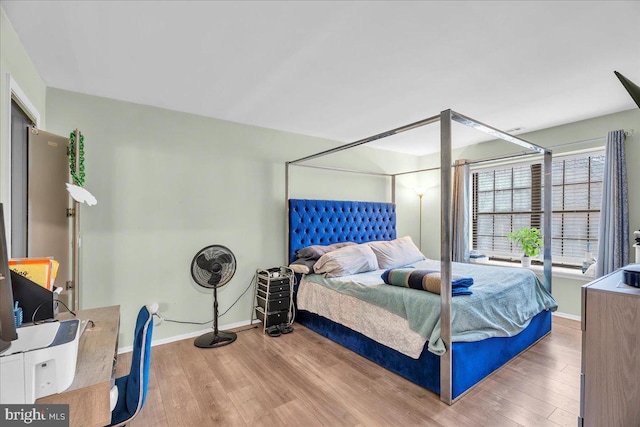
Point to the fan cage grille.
(227, 269)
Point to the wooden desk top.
(88, 395)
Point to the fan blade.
(215, 279)
(224, 259)
(210, 265)
(203, 262)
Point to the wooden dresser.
(610, 379)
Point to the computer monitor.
(7, 319)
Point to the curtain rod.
(495, 159)
(472, 162)
(594, 139)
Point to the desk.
(88, 395)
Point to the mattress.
(503, 302)
(369, 319)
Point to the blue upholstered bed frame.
(322, 222)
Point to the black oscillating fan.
(212, 268)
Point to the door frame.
(15, 93)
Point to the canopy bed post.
(445, 256)
(546, 220)
(393, 189)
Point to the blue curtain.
(613, 235)
(461, 202)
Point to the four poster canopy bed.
(483, 316)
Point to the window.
(509, 197)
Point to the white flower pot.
(525, 261)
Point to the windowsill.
(563, 272)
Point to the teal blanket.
(504, 301)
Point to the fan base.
(213, 340)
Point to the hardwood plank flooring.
(304, 379)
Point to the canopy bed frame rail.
(446, 117)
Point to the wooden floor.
(303, 379)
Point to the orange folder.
(42, 271)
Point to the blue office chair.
(132, 388)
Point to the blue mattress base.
(472, 361)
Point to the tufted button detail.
(326, 221)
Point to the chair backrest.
(138, 382)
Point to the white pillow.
(396, 253)
(299, 268)
(346, 261)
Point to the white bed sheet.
(368, 319)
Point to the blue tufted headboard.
(322, 222)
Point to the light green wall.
(566, 291)
(170, 183)
(15, 61)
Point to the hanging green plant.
(78, 176)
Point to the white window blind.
(509, 197)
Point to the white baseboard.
(567, 316)
(188, 335)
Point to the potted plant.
(529, 240)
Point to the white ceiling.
(343, 70)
